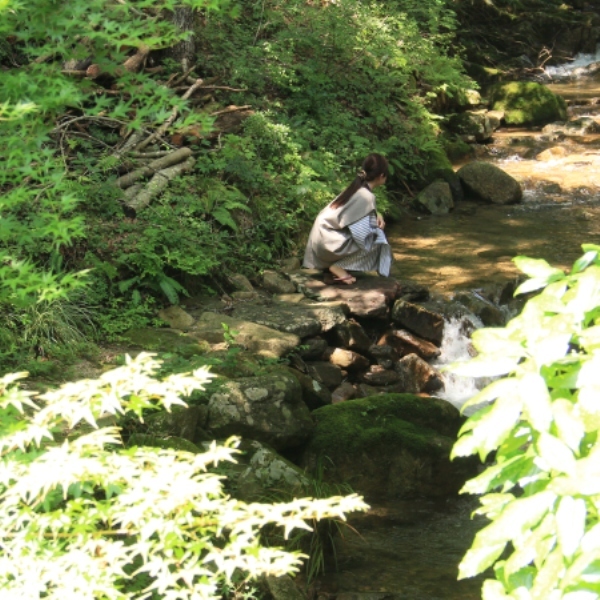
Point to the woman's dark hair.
(373, 166)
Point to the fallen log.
(155, 166)
(158, 183)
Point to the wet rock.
(176, 317)
(527, 103)
(351, 335)
(264, 471)
(346, 391)
(378, 351)
(256, 338)
(268, 409)
(488, 183)
(552, 154)
(378, 376)
(576, 127)
(417, 375)
(277, 284)
(490, 314)
(241, 283)
(347, 359)
(325, 373)
(370, 296)
(435, 199)
(404, 342)
(419, 320)
(390, 446)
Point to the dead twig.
(175, 112)
(155, 166)
(230, 109)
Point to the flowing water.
(410, 550)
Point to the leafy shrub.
(85, 518)
(541, 422)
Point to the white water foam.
(567, 69)
(456, 347)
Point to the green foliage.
(93, 520)
(541, 420)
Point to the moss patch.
(527, 103)
(391, 420)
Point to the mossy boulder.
(389, 446)
(164, 340)
(527, 103)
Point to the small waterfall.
(580, 62)
(456, 346)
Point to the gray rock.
(314, 394)
(277, 284)
(241, 283)
(347, 359)
(490, 314)
(351, 335)
(257, 339)
(303, 320)
(346, 391)
(435, 199)
(267, 408)
(182, 422)
(378, 376)
(417, 375)
(419, 320)
(576, 127)
(312, 348)
(471, 126)
(488, 183)
(404, 342)
(176, 317)
(284, 588)
(264, 471)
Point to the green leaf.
(536, 267)
(585, 261)
(570, 522)
(556, 455)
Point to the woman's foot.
(342, 276)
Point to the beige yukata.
(348, 237)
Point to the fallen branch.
(158, 183)
(155, 166)
(230, 109)
(163, 128)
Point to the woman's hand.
(380, 222)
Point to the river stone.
(404, 342)
(490, 314)
(351, 335)
(277, 284)
(257, 339)
(527, 103)
(345, 391)
(436, 199)
(303, 320)
(347, 359)
(576, 127)
(390, 446)
(418, 375)
(552, 153)
(264, 471)
(267, 409)
(489, 183)
(176, 317)
(370, 296)
(419, 320)
(378, 376)
(312, 348)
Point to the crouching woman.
(348, 233)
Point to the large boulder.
(489, 183)
(389, 446)
(527, 103)
(471, 126)
(267, 408)
(435, 199)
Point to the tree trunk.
(184, 52)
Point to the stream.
(410, 550)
